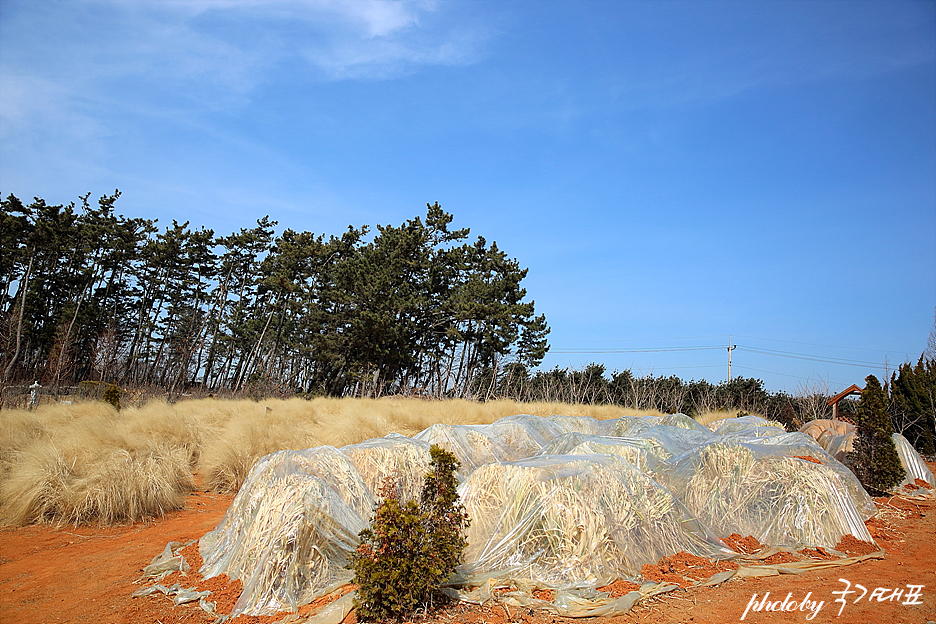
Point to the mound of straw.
(287, 536)
(781, 501)
(558, 521)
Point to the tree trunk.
(19, 323)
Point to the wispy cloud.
(75, 74)
(223, 48)
(343, 39)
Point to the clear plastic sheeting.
(575, 424)
(576, 602)
(526, 433)
(393, 459)
(674, 441)
(627, 425)
(751, 433)
(737, 422)
(640, 452)
(913, 465)
(746, 426)
(754, 490)
(682, 421)
(569, 520)
(797, 444)
(473, 446)
(287, 535)
(566, 503)
(167, 562)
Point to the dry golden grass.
(87, 463)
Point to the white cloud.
(342, 38)
(373, 18)
(77, 75)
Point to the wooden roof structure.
(834, 401)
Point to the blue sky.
(671, 172)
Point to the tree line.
(909, 398)
(414, 309)
(668, 394)
(911, 401)
(88, 294)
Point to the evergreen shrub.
(411, 548)
(112, 396)
(875, 461)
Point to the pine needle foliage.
(411, 549)
(112, 396)
(875, 461)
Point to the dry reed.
(90, 464)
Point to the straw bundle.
(568, 520)
(287, 536)
(394, 459)
(779, 500)
(470, 444)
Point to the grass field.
(87, 463)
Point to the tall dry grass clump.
(18, 429)
(241, 432)
(87, 464)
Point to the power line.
(813, 344)
(658, 350)
(604, 340)
(760, 370)
(813, 358)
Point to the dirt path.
(77, 576)
(86, 574)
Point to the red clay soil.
(818, 554)
(743, 545)
(684, 569)
(84, 575)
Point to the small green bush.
(112, 396)
(411, 549)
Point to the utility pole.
(731, 348)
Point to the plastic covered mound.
(746, 427)
(575, 424)
(917, 472)
(566, 520)
(640, 452)
(674, 441)
(756, 490)
(551, 504)
(682, 421)
(287, 535)
(837, 437)
(797, 444)
(627, 425)
(508, 439)
(739, 421)
(525, 433)
(473, 446)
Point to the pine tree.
(876, 464)
(913, 390)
